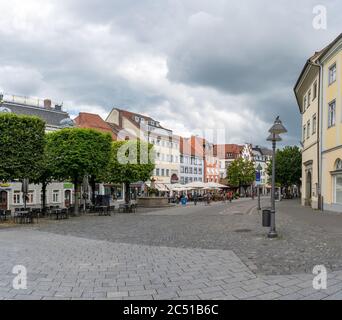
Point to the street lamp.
(274, 137)
(259, 168)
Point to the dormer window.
(136, 119)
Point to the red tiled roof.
(93, 121)
(131, 115)
(221, 150)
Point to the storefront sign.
(174, 178)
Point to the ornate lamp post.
(274, 137)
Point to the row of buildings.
(319, 95)
(178, 159)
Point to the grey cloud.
(237, 57)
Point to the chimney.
(47, 104)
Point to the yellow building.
(307, 94)
(322, 150)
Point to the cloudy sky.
(192, 64)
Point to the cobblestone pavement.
(67, 267)
(307, 238)
(203, 252)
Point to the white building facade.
(58, 193)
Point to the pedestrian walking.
(195, 199)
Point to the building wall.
(168, 160)
(14, 189)
(310, 146)
(113, 117)
(187, 177)
(212, 169)
(331, 137)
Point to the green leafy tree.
(45, 175)
(21, 146)
(74, 153)
(288, 166)
(131, 161)
(241, 173)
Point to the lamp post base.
(272, 235)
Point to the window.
(309, 98)
(314, 91)
(16, 197)
(199, 170)
(304, 133)
(30, 197)
(195, 170)
(308, 129)
(331, 115)
(314, 124)
(182, 169)
(304, 103)
(55, 196)
(157, 172)
(162, 172)
(167, 172)
(332, 74)
(338, 189)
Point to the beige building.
(129, 125)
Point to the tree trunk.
(93, 187)
(76, 193)
(44, 185)
(127, 193)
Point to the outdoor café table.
(57, 212)
(103, 210)
(24, 216)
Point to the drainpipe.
(319, 135)
(320, 143)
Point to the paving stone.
(268, 296)
(117, 294)
(174, 256)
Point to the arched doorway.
(308, 195)
(3, 200)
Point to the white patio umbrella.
(180, 189)
(196, 185)
(216, 185)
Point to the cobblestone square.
(196, 252)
